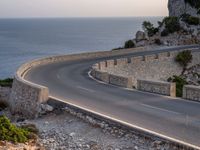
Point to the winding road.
(69, 81)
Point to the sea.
(26, 39)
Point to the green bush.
(6, 82)
(129, 44)
(158, 42)
(164, 33)
(149, 28)
(184, 58)
(12, 133)
(180, 82)
(191, 20)
(172, 24)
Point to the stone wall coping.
(154, 81)
(192, 87)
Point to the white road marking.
(161, 109)
(89, 90)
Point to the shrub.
(12, 133)
(117, 48)
(6, 82)
(180, 82)
(149, 28)
(3, 105)
(158, 42)
(164, 33)
(184, 58)
(9, 132)
(192, 20)
(129, 44)
(171, 24)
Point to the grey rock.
(179, 7)
(140, 36)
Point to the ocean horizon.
(24, 39)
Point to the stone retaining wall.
(4, 94)
(120, 81)
(25, 98)
(159, 87)
(154, 70)
(150, 67)
(191, 92)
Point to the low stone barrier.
(121, 81)
(103, 76)
(191, 92)
(159, 87)
(26, 97)
(126, 71)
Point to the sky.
(82, 8)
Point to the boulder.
(140, 36)
(45, 108)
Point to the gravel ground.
(68, 129)
(63, 131)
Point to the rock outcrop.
(179, 7)
(140, 36)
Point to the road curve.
(69, 81)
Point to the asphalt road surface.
(69, 81)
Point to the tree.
(184, 58)
(149, 28)
(129, 44)
(172, 24)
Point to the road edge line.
(129, 125)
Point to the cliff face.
(179, 7)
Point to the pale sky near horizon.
(82, 8)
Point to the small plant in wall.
(184, 58)
(180, 82)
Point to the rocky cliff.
(179, 7)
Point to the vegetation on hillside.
(129, 44)
(149, 28)
(184, 58)
(171, 25)
(3, 105)
(12, 133)
(180, 82)
(6, 82)
(191, 20)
